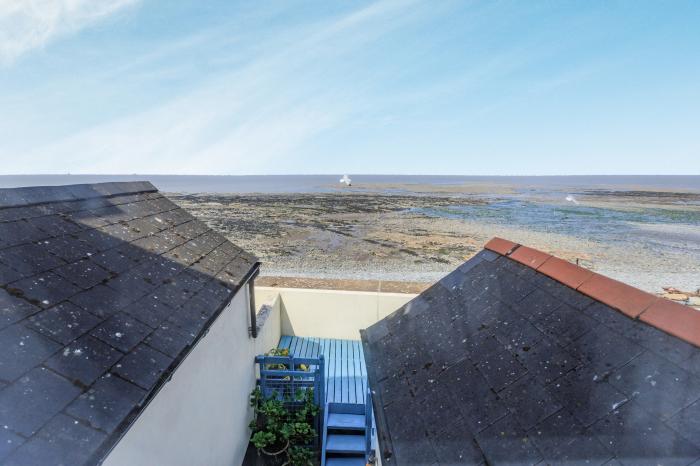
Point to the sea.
(329, 183)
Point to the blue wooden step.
(347, 461)
(342, 443)
(346, 421)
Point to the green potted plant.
(287, 435)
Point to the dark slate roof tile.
(233, 273)
(102, 301)
(69, 248)
(213, 291)
(13, 309)
(666, 346)
(614, 462)
(143, 366)
(500, 368)
(97, 241)
(9, 441)
(47, 394)
(86, 217)
(410, 451)
(538, 305)
(587, 395)
(19, 232)
(546, 360)
(85, 273)
(12, 214)
(62, 442)
(107, 403)
(55, 225)
(22, 350)
(692, 364)
(563, 293)
(8, 275)
(63, 323)
(30, 258)
(112, 215)
(687, 423)
(636, 437)
(453, 443)
(121, 231)
(46, 289)
(170, 339)
(84, 360)
(131, 283)
(121, 331)
(189, 318)
(518, 333)
(181, 255)
(114, 260)
(529, 401)
(563, 440)
(566, 324)
(656, 384)
(478, 404)
(153, 244)
(605, 350)
(505, 442)
(508, 287)
(150, 310)
(143, 225)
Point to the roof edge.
(384, 441)
(673, 318)
(26, 196)
(113, 439)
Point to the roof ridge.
(27, 196)
(673, 318)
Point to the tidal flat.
(419, 233)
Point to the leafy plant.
(282, 352)
(301, 456)
(279, 430)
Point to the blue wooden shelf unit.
(348, 423)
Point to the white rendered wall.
(330, 313)
(201, 416)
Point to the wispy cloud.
(31, 24)
(243, 119)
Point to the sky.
(374, 87)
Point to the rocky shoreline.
(689, 298)
(361, 235)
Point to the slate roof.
(498, 363)
(103, 290)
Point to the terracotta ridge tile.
(673, 318)
(625, 298)
(530, 257)
(565, 272)
(501, 246)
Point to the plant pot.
(276, 453)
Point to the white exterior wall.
(201, 416)
(330, 313)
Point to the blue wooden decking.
(346, 374)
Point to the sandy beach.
(418, 233)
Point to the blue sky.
(390, 86)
